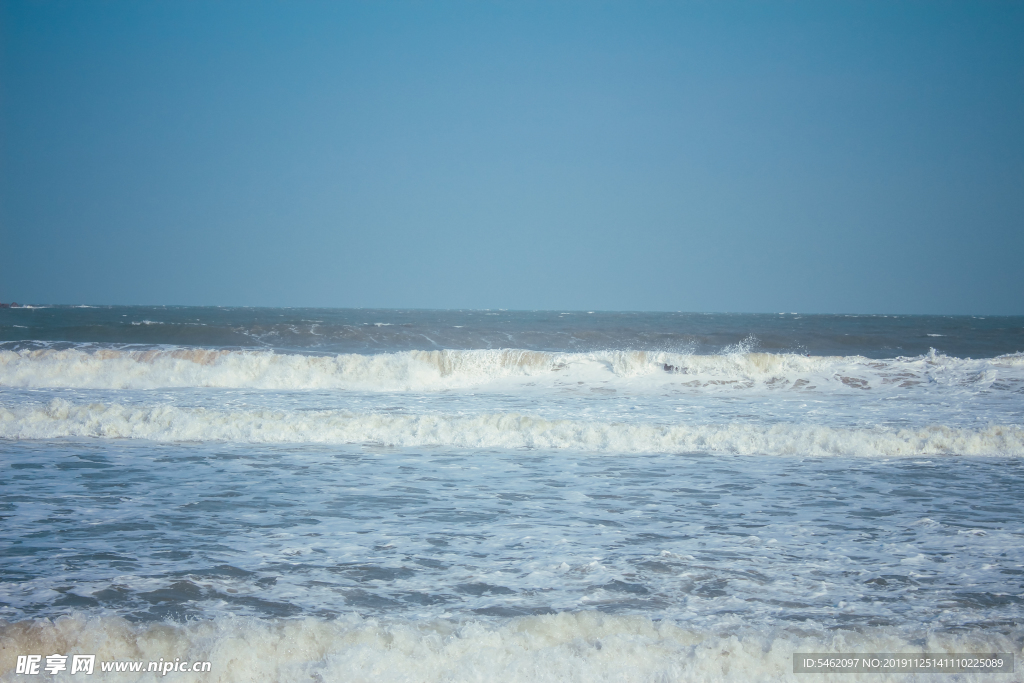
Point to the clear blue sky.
(707, 156)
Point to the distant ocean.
(386, 495)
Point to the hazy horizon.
(38, 304)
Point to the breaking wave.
(62, 419)
(121, 368)
(583, 646)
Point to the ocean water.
(349, 495)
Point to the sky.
(838, 157)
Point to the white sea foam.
(108, 368)
(61, 419)
(586, 646)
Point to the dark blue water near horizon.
(319, 330)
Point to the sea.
(327, 495)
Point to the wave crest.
(110, 368)
(62, 419)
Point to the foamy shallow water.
(587, 646)
(152, 531)
(298, 496)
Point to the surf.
(588, 646)
(165, 423)
(118, 368)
